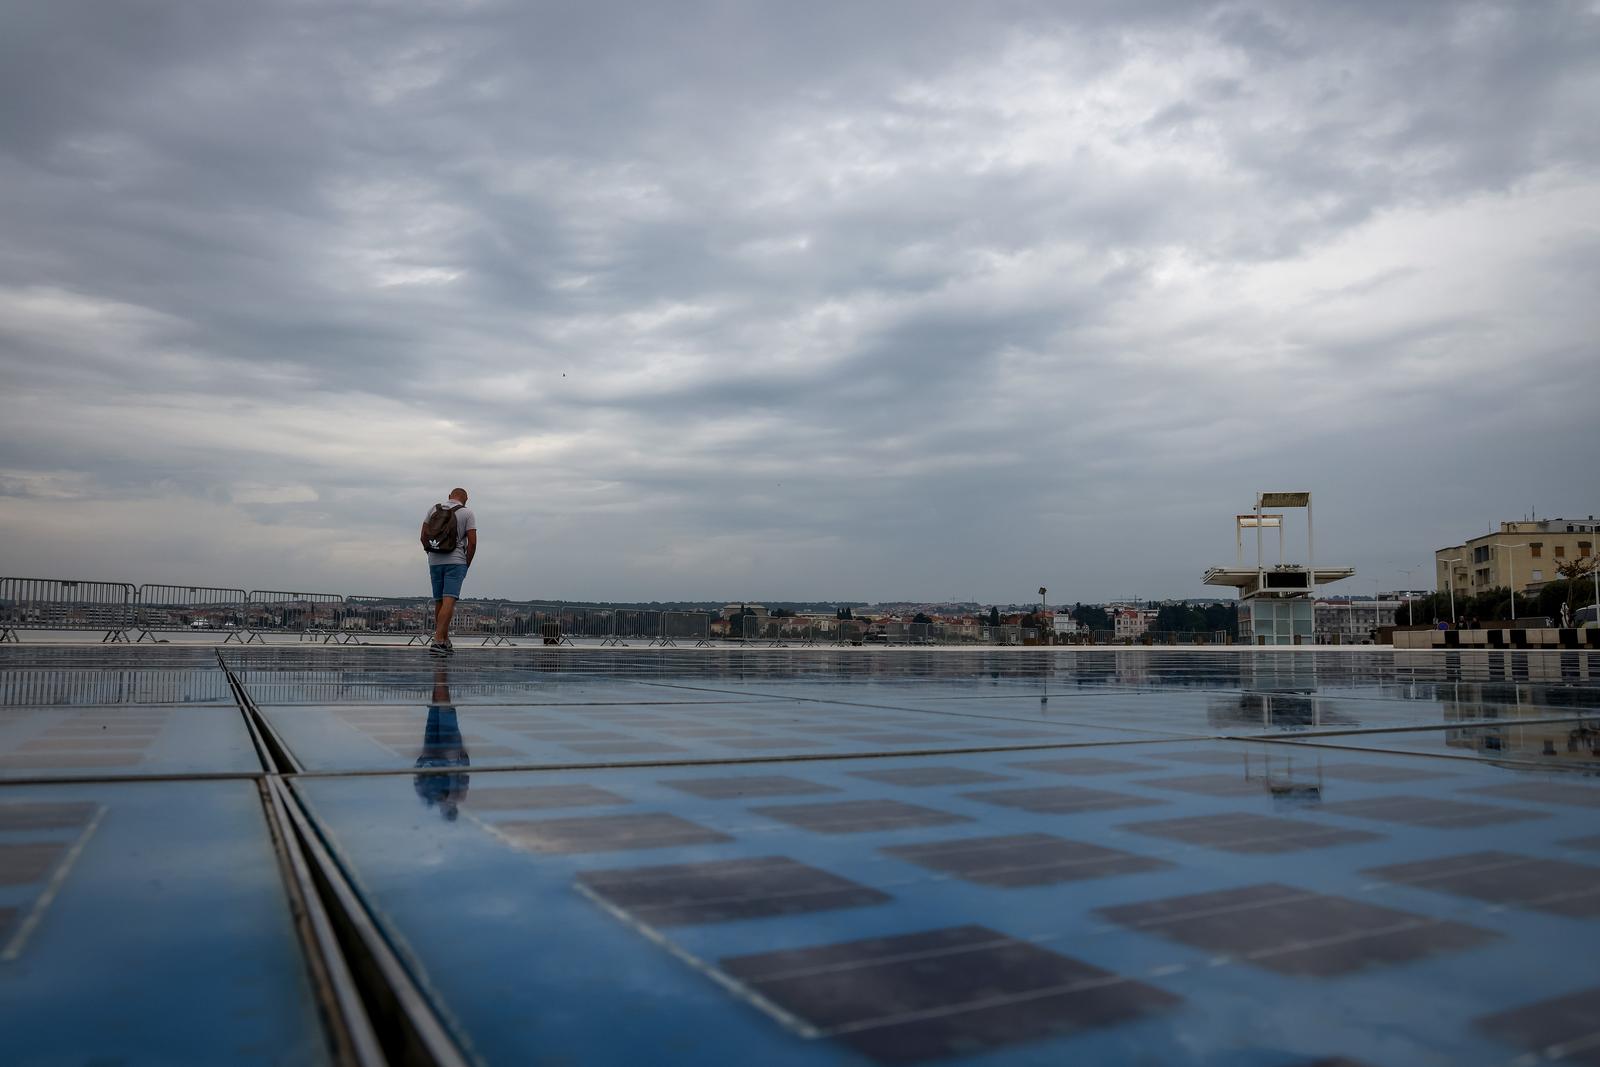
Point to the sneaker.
(444, 649)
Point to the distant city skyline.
(903, 301)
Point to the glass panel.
(116, 741)
(145, 923)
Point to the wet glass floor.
(893, 857)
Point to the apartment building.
(1521, 555)
(1351, 621)
(1131, 622)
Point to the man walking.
(450, 537)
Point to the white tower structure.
(1277, 603)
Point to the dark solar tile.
(1561, 1028)
(622, 748)
(725, 890)
(495, 751)
(609, 833)
(918, 776)
(1554, 886)
(90, 730)
(1569, 793)
(750, 785)
(40, 761)
(1061, 799)
(155, 720)
(1083, 765)
(710, 732)
(903, 739)
(535, 797)
(82, 744)
(771, 744)
(563, 736)
(1221, 785)
(45, 816)
(1295, 931)
(1020, 734)
(857, 816)
(1203, 755)
(1243, 832)
(1380, 772)
(1428, 811)
(1023, 859)
(24, 863)
(957, 991)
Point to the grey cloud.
(950, 274)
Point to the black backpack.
(439, 532)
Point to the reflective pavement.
(1000, 857)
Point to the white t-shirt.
(465, 520)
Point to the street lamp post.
(1511, 573)
(1411, 618)
(1450, 583)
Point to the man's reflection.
(442, 747)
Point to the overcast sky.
(856, 300)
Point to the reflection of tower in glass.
(442, 747)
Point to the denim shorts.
(447, 579)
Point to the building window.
(1482, 576)
(1538, 575)
(1561, 552)
(1480, 555)
(1536, 549)
(1585, 549)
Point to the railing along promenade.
(125, 612)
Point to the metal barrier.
(798, 631)
(637, 624)
(493, 622)
(115, 608)
(755, 628)
(62, 604)
(778, 631)
(589, 623)
(186, 608)
(313, 616)
(380, 616)
(684, 626)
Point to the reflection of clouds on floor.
(39, 843)
(908, 858)
(88, 738)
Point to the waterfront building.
(1351, 621)
(1131, 622)
(1520, 555)
(1276, 602)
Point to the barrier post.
(186, 608)
(684, 625)
(67, 604)
(307, 615)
